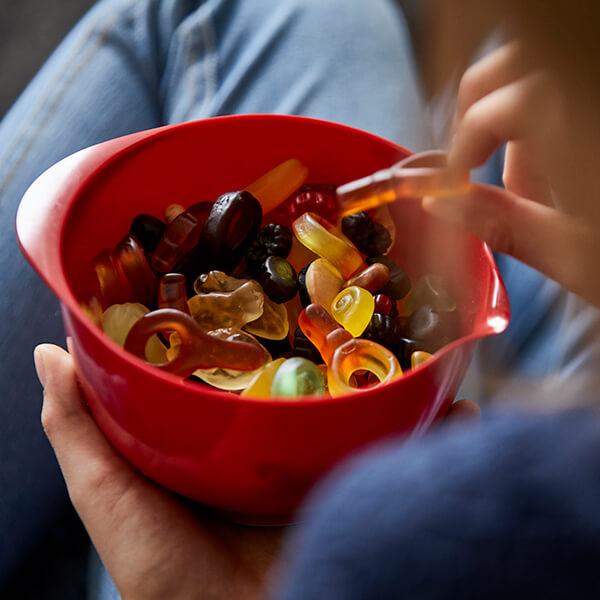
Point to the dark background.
(29, 31)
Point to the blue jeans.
(137, 64)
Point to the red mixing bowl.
(255, 459)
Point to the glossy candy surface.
(260, 385)
(232, 224)
(383, 330)
(276, 185)
(215, 310)
(272, 240)
(172, 292)
(117, 321)
(399, 284)
(232, 379)
(383, 304)
(418, 358)
(360, 355)
(197, 349)
(298, 377)
(320, 328)
(180, 238)
(373, 278)
(173, 211)
(148, 230)
(278, 279)
(318, 199)
(273, 323)
(371, 238)
(323, 283)
(353, 308)
(322, 238)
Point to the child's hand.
(548, 215)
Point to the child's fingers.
(504, 115)
(497, 69)
(524, 175)
(561, 247)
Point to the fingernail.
(38, 359)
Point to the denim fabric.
(137, 64)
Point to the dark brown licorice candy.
(233, 223)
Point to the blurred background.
(29, 31)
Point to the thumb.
(560, 246)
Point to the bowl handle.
(45, 205)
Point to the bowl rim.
(101, 158)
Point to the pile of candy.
(295, 307)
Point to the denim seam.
(37, 120)
(209, 63)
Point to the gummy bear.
(353, 308)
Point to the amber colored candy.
(260, 386)
(418, 358)
(278, 184)
(172, 292)
(372, 279)
(216, 310)
(272, 324)
(323, 283)
(217, 281)
(418, 175)
(293, 308)
(232, 379)
(360, 355)
(172, 212)
(197, 349)
(343, 354)
(93, 310)
(320, 328)
(111, 286)
(323, 238)
(300, 255)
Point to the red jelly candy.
(319, 199)
(383, 304)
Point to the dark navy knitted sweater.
(508, 509)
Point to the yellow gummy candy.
(418, 358)
(353, 308)
(260, 386)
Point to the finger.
(558, 245)
(524, 175)
(464, 410)
(497, 69)
(504, 115)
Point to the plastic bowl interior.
(253, 458)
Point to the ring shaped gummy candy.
(360, 355)
(198, 350)
(418, 175)
(327, 241)
(344, 354)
